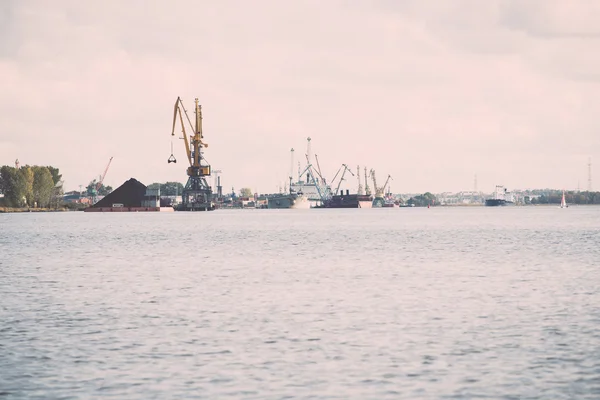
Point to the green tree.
(56, 177)
(423, 200)
(12, 186)
(171, 189)
(167, 188)
(246, 192)
(26, 174)
(104, 190)
(43, 186)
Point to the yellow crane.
(378, 200)
(197, 194)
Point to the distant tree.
(171, 189)
(56, 177)
(12, 187)
(105, 190)
(26, 180)
(167, 188)
(423, 200)
(102, 191)
(246, 192)
(30, 185)
(43, 186)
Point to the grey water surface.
(440, 303)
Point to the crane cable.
(172, 157)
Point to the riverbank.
(27, 209)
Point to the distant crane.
(17, 164)
(99, 184)
(319, 171)
(345, 169)
(379, 190)
(360, 187)
(93, 191)
(367, 188)
(197, 194)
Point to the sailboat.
(563, 202)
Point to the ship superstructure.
(502, 197)
(310, 180)
(292, 198)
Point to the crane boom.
(99, 184)
(386, 182)
(367, 188)
(319, 169)
(337, 189)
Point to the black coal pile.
(130, 194)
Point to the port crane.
(367, 188)
(359, 191)
(345, 169)
(197, 194)
(101, 181)
(379, 190)
(93, 190)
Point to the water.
(440, 303)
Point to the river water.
(440, 303)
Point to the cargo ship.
(348, 201)
(501, 198)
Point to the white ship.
(289, 200)
(315, 188)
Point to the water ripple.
(348, 304)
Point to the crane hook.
(172, 157)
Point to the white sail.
(563, 203)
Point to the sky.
(432, 93)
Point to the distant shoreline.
(27, 209)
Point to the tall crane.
(367, 188)
(360, 187)
(99, 183)
(197, 194)
(94, 188)
(345, 169)
(378, 199)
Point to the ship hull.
(498, 203)
(288, 202)
(348, 201)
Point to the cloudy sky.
(431, 92)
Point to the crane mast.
(197, 194)
(378, 190)
(386, 182)
(360, 187)
(342, 177)
(367, 188)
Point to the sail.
(563, 202)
